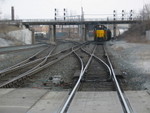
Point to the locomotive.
(101, 33)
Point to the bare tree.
(145, 12)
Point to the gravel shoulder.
(133, 59)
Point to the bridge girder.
(80, 22)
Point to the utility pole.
(12, 13)
(82, 14)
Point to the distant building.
(41, 28)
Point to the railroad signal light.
(64, 14)
(55, 10)
(131, 14)
(114, 14)
(123, 13)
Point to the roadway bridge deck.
(78, 22)
(69, 22)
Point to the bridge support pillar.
(52, 33)
(114, 30)
(84, 33)
(33, 37)
(79, 31)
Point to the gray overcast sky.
(33, 9)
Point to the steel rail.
(39, 68)
(78, 82)
(16, 66)
(44, 60)
(82, 67)
(2, 73)
(126, 108)
(21, 65)
(105, 64)
(18, 48)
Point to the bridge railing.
(66, 20)
(76, 20)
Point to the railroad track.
(27, 62)
(11, 49)
(96, 71)
(96, 74)
(32, 66)
(30, 63)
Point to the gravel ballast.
(64, 68)
(133, 59)
(13, 58)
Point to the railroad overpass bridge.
(83, 23)
(75, 22)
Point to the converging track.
(32, 65)
(96, 74)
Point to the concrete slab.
(44, 101)
(107, 102)
(4, 91)
(13, 109)
(19, 100)
(140, 101)
(95, 102)
(50, 103)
